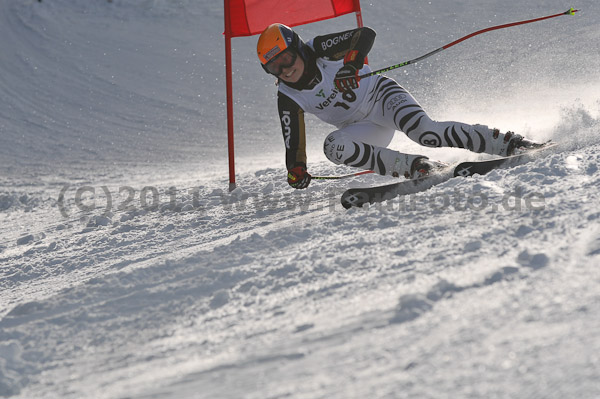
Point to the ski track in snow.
(266, 292)
(247, 303)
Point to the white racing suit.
(366, 120)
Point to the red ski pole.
(364, 172)
(462, 39)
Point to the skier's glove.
(298, 177)
(347, 77)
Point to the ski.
(359, 196)
(466, 169)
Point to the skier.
(321, 77)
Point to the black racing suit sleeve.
(335, 45)
(291, 116)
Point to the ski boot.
(422, 167)
(518, 144)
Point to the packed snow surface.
(128, 270)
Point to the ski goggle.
(286, 59)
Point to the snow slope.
(128, 271)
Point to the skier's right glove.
(298, 177)
(347, 77)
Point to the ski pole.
(571, 11)
(364, 172)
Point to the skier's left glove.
(347, 77)
(298, 177)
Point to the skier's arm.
(291, 116)
(337, 46)
(353, 46)
(292, 127)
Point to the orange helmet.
(275, 40)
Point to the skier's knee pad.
(426, 131)
(334, 147)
